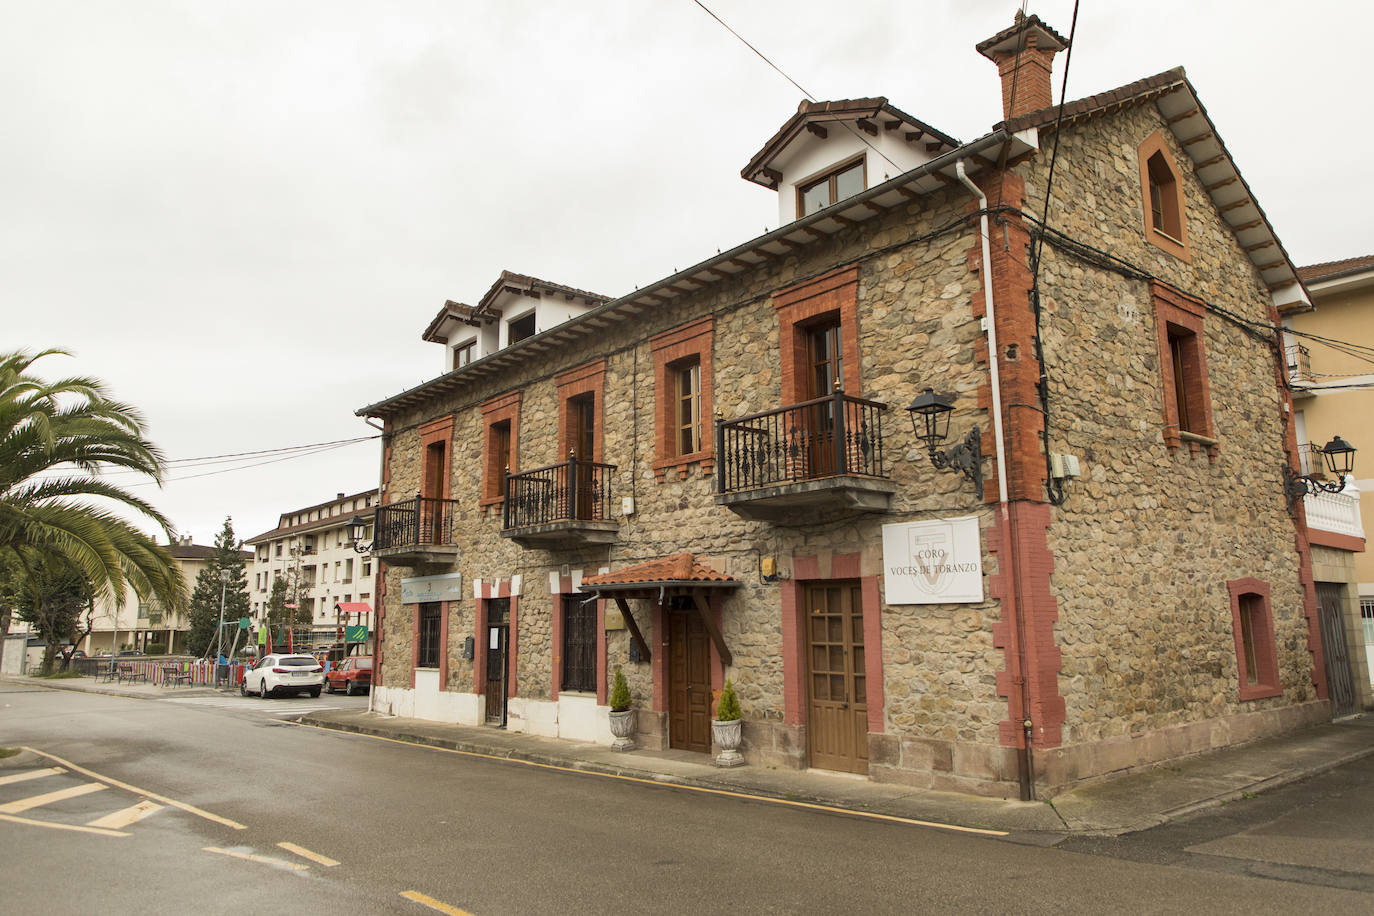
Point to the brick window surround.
(1252, 596)
(589, 378)
(832, 294)
(1173, 199)
(505, 408)
(434, 433)
(671, 350)
(1179, 329)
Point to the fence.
(570, 490)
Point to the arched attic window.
(1161, 187)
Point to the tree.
(56, 439)
(205, 598)
(53, 597)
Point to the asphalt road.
(492, 837)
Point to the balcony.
(561, 505)
(821, 455)
(416, 531)
(1335, 514)
(1299, 363)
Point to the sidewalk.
(1124, 805)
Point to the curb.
(108, 691)
(588, 766)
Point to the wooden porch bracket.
(704, 611)
(638, 637)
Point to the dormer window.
(832, 187)
(464, 354)
(520, 328)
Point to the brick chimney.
(1024, 54)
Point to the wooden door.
(582, 415)
(498, 662)
(433, 488)
(825, 368)
(837, 710)
(1340, 682)
(689, 682)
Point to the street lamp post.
(224, 576)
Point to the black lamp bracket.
(966, 457)
(1296, 486)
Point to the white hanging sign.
(939, 562)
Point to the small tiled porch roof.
(353, 607)
(679, 570)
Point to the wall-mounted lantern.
(1340, 461)
(930, 421)
(358, 524)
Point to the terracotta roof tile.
(1141, 89)
(682, 567)
(1329, 270)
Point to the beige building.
(1331, 364)
(144, 624)
(314, 546)
(729, 473)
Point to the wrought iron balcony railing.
(836, 435)
(572, 490)
(418, 522)
(1299, 362)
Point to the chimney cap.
(1014, 38)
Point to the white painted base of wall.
(428, 702)
(573, 718)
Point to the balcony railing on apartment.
(420, 528)
(566, 502)
(1299, 362)
(826, 451)
(1337, 513)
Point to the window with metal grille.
(1367, 619)
(430, 613)
(579, 644)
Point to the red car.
(353, 675)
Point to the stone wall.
(1149, 536)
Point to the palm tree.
(56, 438)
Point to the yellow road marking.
(137, 791)
(126, 817)
(261, 860)
(312, 856)
(36, 801)
(32, 823)
(30, 774)
(786, 802)
(425, 900)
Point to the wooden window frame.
(463, 355)
(435, 433)
(1257, 665)
(587, 379)
(1173, 202)
(671, 350)
(829, 176)
(510, 327)
(802, 305)
(1180, 329)
(503, 409)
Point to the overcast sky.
(242, 214)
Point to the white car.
(274, 675)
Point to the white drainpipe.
(991, 319)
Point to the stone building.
(718, 475)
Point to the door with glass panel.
(837, 699)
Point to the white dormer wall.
(462, 334)
(809, 157)
(550, 310)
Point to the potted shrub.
(726, 727)
(622, 714)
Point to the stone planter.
(623, 728)
(727, 736)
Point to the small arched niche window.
(1166, 223)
